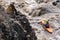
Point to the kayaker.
(45, 23)
(46, 26)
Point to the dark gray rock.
(16, 27)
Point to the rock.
(54, 3)
(16, 27)
(11, 9)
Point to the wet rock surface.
(15, 27)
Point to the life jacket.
(45, 23)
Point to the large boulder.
(15, 27)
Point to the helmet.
(44, 21)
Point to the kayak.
(50, 30)
(46, 26)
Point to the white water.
(40, 32)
